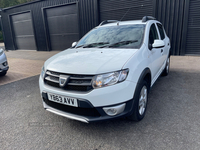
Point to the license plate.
(63, 99)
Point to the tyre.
(166, 70)
(3, 73)
(140, 102)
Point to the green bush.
(1, 36)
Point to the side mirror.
(158, 44)
(74, 44)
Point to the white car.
(3, 63)
(108, 73)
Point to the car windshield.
(119, 36)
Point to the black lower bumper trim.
(4, 69)
(84, 109)
(92, 114)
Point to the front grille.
(80, 83)
(90, 112)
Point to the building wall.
(87, 22)
(173, 14)
(192, 38)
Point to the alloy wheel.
(143, 100)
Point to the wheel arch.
(145, 75)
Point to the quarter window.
(160, 28)
(153, 34)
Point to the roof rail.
(107, 21)
(146, 18)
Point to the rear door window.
(153, 34)
(160, 28)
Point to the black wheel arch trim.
(143, 74)
(140, 80)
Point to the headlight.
(43, 72)
(109, 78)
(1, 51)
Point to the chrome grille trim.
(84, 78)
(52, 80)
(81, 84)
(76, 82)
(51, 74)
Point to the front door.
(155, 55)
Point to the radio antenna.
(125, 14)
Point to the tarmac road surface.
(172, 120)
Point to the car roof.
(145, 20)
(131, 22)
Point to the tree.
(8, 3)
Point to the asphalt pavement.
(172, 120)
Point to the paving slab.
(30, 54)
(24, 64)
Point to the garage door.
(63, 26)
(193, 30)
(130, 9)
(23, 31)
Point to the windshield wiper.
(92, 45)
(120, 43)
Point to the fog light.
(112, 111)
(5, 63)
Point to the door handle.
(161, 50)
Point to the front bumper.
(3, 63)
(85, 112)
(105, 96)
(91, 104)
(4, 69)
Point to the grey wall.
(87, 22)
(192, 44)
(179, 17)
(171, 14)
